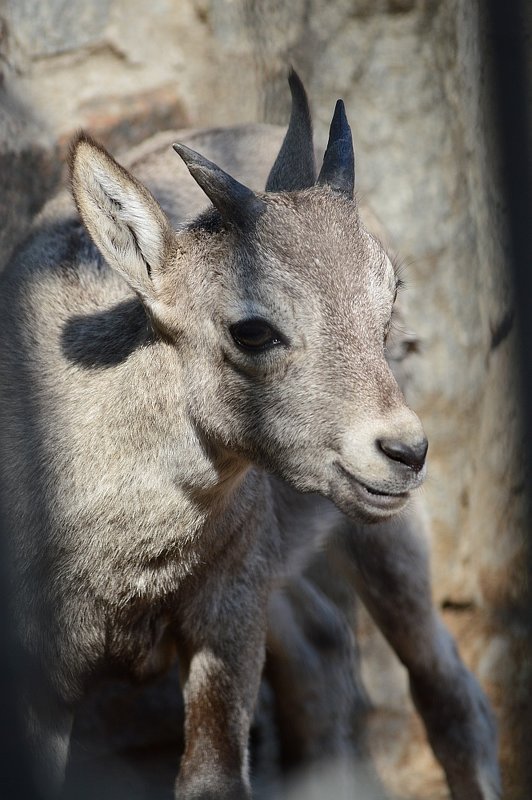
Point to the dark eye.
(255, 335)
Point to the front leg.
(389, 566)
(222, 645)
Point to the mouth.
(374, 501)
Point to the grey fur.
(138, 443)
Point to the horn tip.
(339, 109)
(340, 124)
(180, 149)
(189, 156)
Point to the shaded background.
(417, 87)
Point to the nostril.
(413, 455)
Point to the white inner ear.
(125, 222)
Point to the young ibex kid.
(152, 385)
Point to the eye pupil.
(254, 334)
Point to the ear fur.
(124, 220)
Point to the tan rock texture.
(414, 78)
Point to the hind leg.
(319, 701)
(389, 566)
(311, 667)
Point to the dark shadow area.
(16, 779)
(507, 42)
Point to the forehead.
(314, 241)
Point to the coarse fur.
(160, 477)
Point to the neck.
(211, 477)
(215, 477)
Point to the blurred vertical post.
(507, 43)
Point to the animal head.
(277, 306)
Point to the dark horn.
(236, 203)
(338, 170)
(294, 167)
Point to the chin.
(362, 502)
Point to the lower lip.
(378, 500)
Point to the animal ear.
(294, 167)
(338, 170)
(124, 220)
(237, 204)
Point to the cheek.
(298, 415)
(204, 383)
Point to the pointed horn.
(236, 203)
(294, 167)
(338, 170)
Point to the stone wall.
(414, 80)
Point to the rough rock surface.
(415, 83)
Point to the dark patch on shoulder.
(108, 337)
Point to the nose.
(412, 455)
